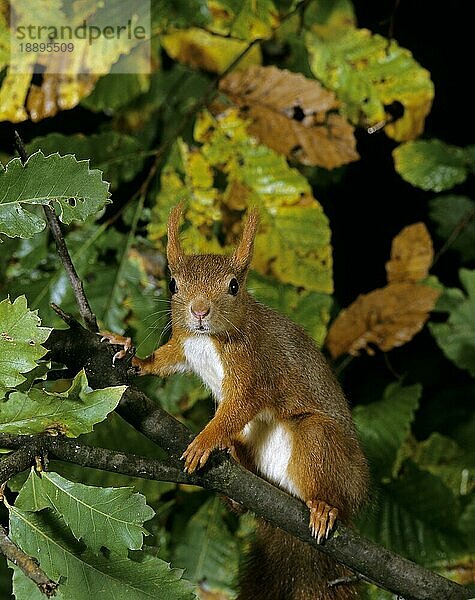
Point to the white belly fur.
(203, 359)
(270, 443)
(271, 446)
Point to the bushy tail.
(280, 567)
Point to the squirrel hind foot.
(322, 519)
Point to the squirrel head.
(208, 290)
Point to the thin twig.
(392, 21)
(457, 230)
(390, 368)
(55, 228)
(66, 317)
(344, 363)
(27, 564)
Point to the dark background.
(373, 204)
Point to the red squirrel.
(280, 409)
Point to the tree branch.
(70, 450)
(18, 461)
(55, 228)
(457, 230)
(28, 565)
(78, 348)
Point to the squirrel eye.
(233, 286)
(172, 286)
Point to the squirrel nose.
(200, 313)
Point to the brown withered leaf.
(387, 317)
(412, 254)
(292, 115)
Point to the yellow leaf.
(13, 93)
(250, 19)
(371, 74)
(172, 192)
(411, 254)
(199, 171)
(201, 199)
(329, 18)
(4, 35)
(196, 241)
(67, 77)
(237, 195)
(203, 50)
(293, 245)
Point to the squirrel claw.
(119, 355)
(197, 453)
(118, 340)
(322, 519)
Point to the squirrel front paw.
(322, 519)
(117, 340)
(198, 451)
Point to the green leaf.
(451, 212)
(369, 73)
(384, 426)
(207, 549)
(328, 17)
(295, 240)
(444, 458)
(85, 574)
(432, 165)
(415, 515)
(39, 373)
(456, 337)
(25, 588)
(245, 19)
(61, 182)
(71, 413)
(467, 520)
(311, 310)
(34, 268)
(110, 517)
(449, 300)
(180, 392)
(119, 156)
(180, 13)
(20, 342)
(115, 90)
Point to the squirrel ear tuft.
(174, 250)
(242, 255)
